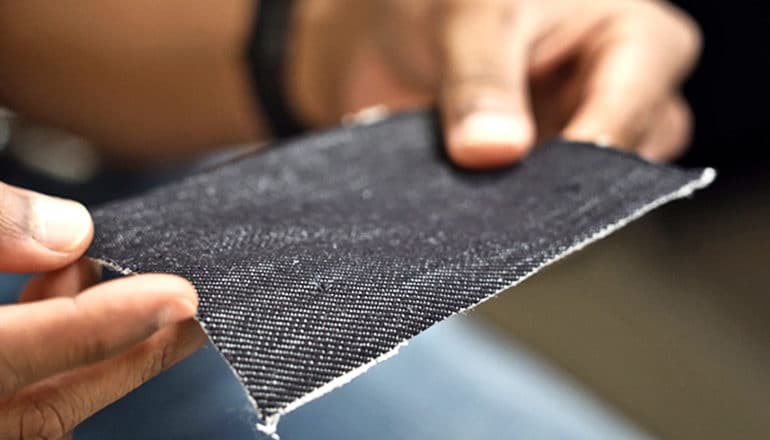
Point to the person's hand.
(504, 72)
(72, 347)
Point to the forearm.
(132, 76)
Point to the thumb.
(484, 98)
(40, 233)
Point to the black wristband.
(267, 60)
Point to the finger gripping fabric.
(314, 259)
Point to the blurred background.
(669, 319)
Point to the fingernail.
(179, 310)
(490, 128)
(60, 225)
(604, 141)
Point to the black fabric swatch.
(316, 258)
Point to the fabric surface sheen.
(317, 258)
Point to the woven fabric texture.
(316, 258)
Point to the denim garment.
(455, 381)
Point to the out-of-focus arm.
(145, 79)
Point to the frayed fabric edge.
(268, 425)
(706, 178)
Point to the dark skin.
(169, 76)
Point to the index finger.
(40, 339)
(634, 64)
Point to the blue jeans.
(457, 380)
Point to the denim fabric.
(455, 381)
(11, 286)
(314, 259)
